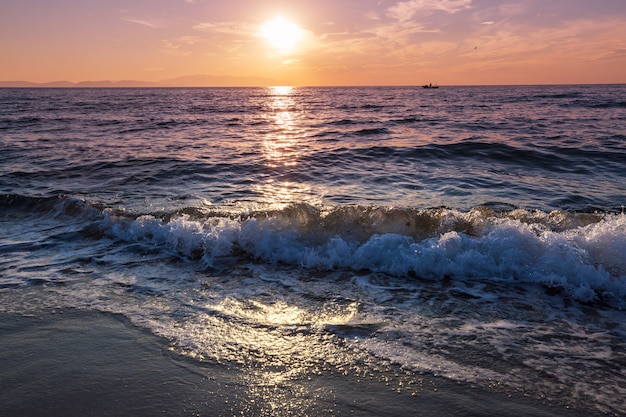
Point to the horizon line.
(163, 84)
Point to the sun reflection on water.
(283, 146)
(282, 143)
(280, 194)
(282, 342)
(281, 90)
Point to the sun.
(282, 34)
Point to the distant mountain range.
(201, 80)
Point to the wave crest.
(581, 255)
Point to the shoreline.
(79, 363)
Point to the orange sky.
(341, 42)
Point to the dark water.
(473, 233)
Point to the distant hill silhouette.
(200, 80)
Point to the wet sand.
(91, 364)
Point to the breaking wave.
(580, 255)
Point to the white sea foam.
(587, 263)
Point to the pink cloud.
(405, 10)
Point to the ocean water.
(474, 234)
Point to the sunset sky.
(327, 42)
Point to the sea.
(472, 234)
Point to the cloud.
(228, 28)
(178, 46)
(489, 41)
(399, 32)
(140, 22)
(616, 53)
(291, 61)
(406, 10)
(189, 40)
(371, 15)
(574, 42)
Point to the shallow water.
(475, 234)
(72, 363)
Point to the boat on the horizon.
(430, 86)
